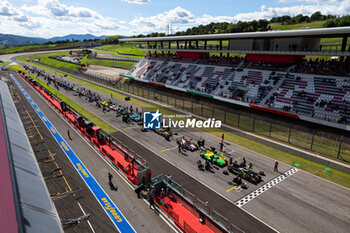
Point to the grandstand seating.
(322, 97)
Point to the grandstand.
(273, 75)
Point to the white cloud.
(6, 9)
(137, 1)
(176, 16)
(48, 18)
(181, 19)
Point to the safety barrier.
(133, 166)
(188, 213)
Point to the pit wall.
(132, 166)
(136, 171)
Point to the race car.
(135, 117)
(104, 103)
(165, 132)
(113, 107)
(214, 157)
(122, 111)
(246, 174)
(187, 144)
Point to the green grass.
(279, 26)
(44, 59)
(98, 121)
(31, 48)
(336, 176)
(123, 48)
(108, 63)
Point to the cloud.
(137, 1)
(106, 24)
(181, 19)
(57, 9)
(177, 16)
(21, 18)
(6, 9)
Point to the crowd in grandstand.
(323, 67)
(294, 87)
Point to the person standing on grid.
(276, 166)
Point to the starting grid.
(103, 199)
(266, 187)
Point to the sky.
(48, 18)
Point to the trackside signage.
(154, 120)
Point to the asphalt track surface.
(116, 216)
(67, 207)
(241, 219)
(134, 209)
(283, 206)
(300, 203)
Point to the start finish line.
(107, 204)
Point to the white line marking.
(227, 199)
(82, 210)
(93, 194)
(173, 227)
(266, 187)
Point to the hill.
(10, 40)
(76, 37)
(13, 40)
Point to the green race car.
(214, 157)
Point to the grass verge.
(123, 49)
(98, 121)
(108, 63)
(336, 176)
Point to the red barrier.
(115, 153)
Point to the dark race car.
(187, 144)
(165, 132)
(247, 174)
(122, 111)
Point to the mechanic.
(243, 164)
(250, 167)
(110, 177)
(207, 165)
(68, 133)
(276, 166)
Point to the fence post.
(339, 149)
(312, 140)
(290, 132)
(253, 124)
